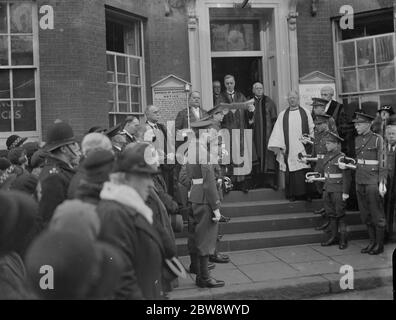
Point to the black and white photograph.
(197, 154)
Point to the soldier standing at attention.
(371, 176)
(336, 190)
(58, 171)
(205, 201)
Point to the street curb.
(289, 289)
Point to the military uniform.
(337, 182)
(205, 198)
(369, 173)
(390, 198)
(53, 186)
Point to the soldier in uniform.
(205, 200)
(318, 109)
(336, 190)
(322, 127)
(58, 171)
(370, 180)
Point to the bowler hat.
(363, 118)
(133, 160)
(59, 135)
(14, 141)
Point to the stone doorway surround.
(285, 15)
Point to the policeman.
(371, 176)
(336, 190)
(58, 171)
(205, 200)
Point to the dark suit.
(182, 118)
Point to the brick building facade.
(99, 61)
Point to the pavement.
(297, 272)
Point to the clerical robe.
(285, 142)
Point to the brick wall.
(73, 65)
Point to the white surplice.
(277, 140)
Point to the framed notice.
(310, 86)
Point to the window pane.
(112, 92)
(25, 115)
(136, 108)
(385, 50)
(22, 50)
(112, 107)
(135, 95)
(4, 84)
(365, 50)
(237, 35)
(123, 94)
(3, 18)
(369, 104)
(386, 76)
(21, 17)
(347, 54)
(132, 45)
(121, 70)
(349, 82)
(110, 68)
(23, 84)
(134, 65)
(367, 79)
(123, 107)
(4, 50)
(5, 116)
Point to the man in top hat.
(336, 190)
(58, 171)
(370, 179)
(206, 200)
(128, 224)
(14, 141)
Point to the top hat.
(59, 135)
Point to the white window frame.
(360, 95)
(142, 84)
(35, 38)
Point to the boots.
(334, 232)
(371, 245)
(204, 280)
(323, 226)
(343, 234)
(379, 237)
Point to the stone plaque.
(170, 96)
(310, 86)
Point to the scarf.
(127, 196)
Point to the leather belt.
(368, 162)
(197, 181)
(333, 175)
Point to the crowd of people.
(112, 204)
